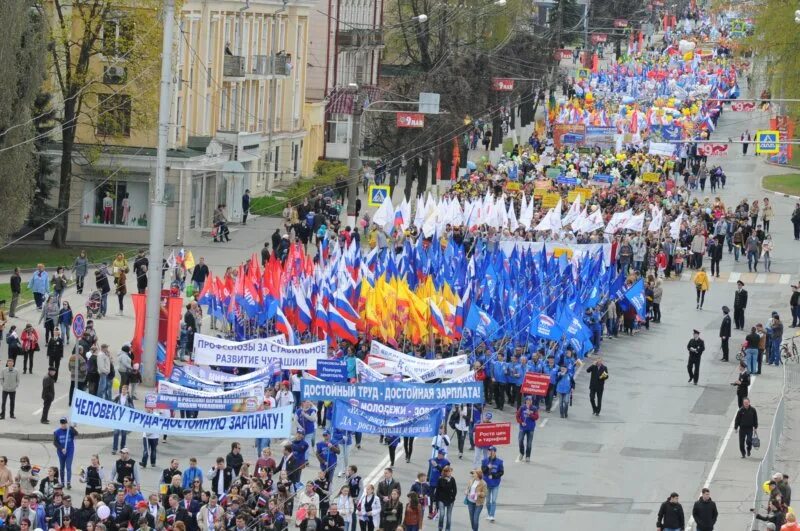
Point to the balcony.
(359, 38)
(261, 65)
(233, 66)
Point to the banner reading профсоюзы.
(399, 392)
(94, 411)
(257, 353)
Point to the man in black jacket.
(234, 459)
(597, 382)
(705, 512)
(168, 473)
(742, 383)
(176, 512)
(695, 347)
(670, 515)
(745, 423)
(725, 332)
(48, 393)
(739, 304)
(221, 477)
(387, 485)
(289, 464)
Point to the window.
(338, 129)
(117, 37)
(114, 115)
(115, 203)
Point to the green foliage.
(325, 173)
(21, 74)
(784, 184)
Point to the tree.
(21, 74)
(43, 213)
(87, 38)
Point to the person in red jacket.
(30, 344)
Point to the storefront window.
(115, 203)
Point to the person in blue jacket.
(551, 370)
(499, 370)
(64, 441)
(563, 388)
(307, 419)
(39, 284)
(300, 446)
(326, 455)
(527, 415)
(437, 464)
(492, 468)
(515, 375)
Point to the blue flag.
(635, 296)
(545, 326)
(481, 322)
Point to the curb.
(779, 194)
(39, 437)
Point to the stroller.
(93, 305)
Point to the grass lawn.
(26, 257)
(784, 184)
(326, 172)
(5, 294)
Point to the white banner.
(662, 148)
(257, 353)
(420, 369)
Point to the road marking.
(785, 279)
(39, 411)
(715, 464)
(544, 423)
(761, 278)
(686, 276)
(734, 277)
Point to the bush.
(325, 171)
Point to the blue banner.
(603, 177)
(173, 396)
(563, 179)
(94, 411)
(332, 370)
(397, 392)
(351, 418)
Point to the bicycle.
(790, 354)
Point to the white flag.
(574, 211)
(657, 221)
(544, 225)
(555, 218)
(635, 223)
(675, 227)
(593, 222)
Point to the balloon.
(103, 512)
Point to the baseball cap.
(492, 448)
(63, 420)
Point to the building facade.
(344, 48)
(237, 122)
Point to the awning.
(340, 100)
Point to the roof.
(340, 100)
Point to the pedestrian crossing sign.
(767, 142)
(378, 194)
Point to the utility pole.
(158, 207)
(273, 87)
(355, 158)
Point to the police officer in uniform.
(695, 347)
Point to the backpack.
(112, 373)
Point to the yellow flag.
(188, 260)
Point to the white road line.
(39, 411)
(761, 278)
(686, 276)
(543, 423)
(715, 464)
(375, 472)
(785, 279)
(734, 277)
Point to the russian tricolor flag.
(282, 325)
(344, 307)
(341, 327)
(437, 320)
(320, 327)
(304, 317)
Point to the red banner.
(169, 324)
(502, 84)
(492, 434)
(535, 384)
(411, 120)
(572, 134)
(620, 23)
(712, 150)
(743, 106)
(139, 301)
(563, 53)
(597, 38)
(173, 325)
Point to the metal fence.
(770, 442)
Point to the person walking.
(48, 393)
(725, 333)
(775, 339)
(598, 374)
(49, 315)
(120, 287)
(739, 305)
(30, 344)
(65, 317)
(80, 267)
(527, 415)
(794, 306)
(199, 275)
(102, 285)
(64, 441)
(705, 512)
(39, 284)
(104, 368)
(493, 471)
(9, 382)
(445, 497)
(77, 376)
(55, 352)
(564, 389)
(746, 423)
(15, 284)
(742, 383)
(795, 219)
(752, 247)
(59, 283)
(767, 247)
(695, 347)
(475, 497)
(670, 515)
(701, 286)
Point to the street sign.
(563, 53)
(597, 38)
(620, 23)
(410, 120)
(78, 325)
(535, 384)
(743, 106)
(712, 150)
(502, 84)
(767, 142)
(429, 102)
(494, 434)
(377, 194)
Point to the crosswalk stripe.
(734, 276)
(761, 278)
(785, 279)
